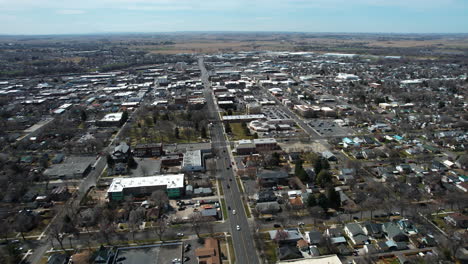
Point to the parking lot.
(274, 112)
(152, 254)
(189, 206)
(329, 128)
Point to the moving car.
(238, 227)
(233, 212)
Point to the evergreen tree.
(311, 201)
(227, 127)
(110, 161)
(203, 132)
(131, 163)
(124, 118)
(322, 201)
(334, 200)
(298, 167)
(84, 116)
(323, 178)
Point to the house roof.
(296, 201)
(122, 147)
(392, 230)
(210, 253)
(289, 252)
(355, 229)
(315, 237)
(301, 243)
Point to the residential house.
(268, 207)
(303, 245)
(355, 232)
(371, 249)
(210, 253)
(334, 232)
(286, 252)
(265, 196)
(393, 232)
(457, 220)
(121, 153)
(407, 227)
(57, 258)
(103, 255)
(285, 236)
(329, 156)
(268, 178)
(346, 174)
(313, 237)
(373, 229)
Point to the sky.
(36, 17)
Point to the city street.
(242, 239)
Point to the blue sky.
(104, 16)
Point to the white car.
(180, 234)
(233, 212)
(238, 227)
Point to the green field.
(238, 132)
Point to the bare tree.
(24, 222)
(160, 228)
(159, 198)
(106, 228)
(134, 220)
(55, 233)
(196, 222)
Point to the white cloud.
(70, 12)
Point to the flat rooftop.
(114, 117)
(192, 158)
(151, 254)
(241, 117)
(329, 259)
(170, 181)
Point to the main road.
(242, 238)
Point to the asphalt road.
(244, 247)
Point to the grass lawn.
(239, 183)
(439, 221)
(247, 209)
(231, 251)
(221, 191)
(224, 208)
(270, 251)
(238, 132)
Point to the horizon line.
(231, 31)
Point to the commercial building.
(72, 167)
(265, 144)
(144, 186)
(329, 259)
(148, 150)
(193, 161)
(247, 146)
(109, 120)
(242, 118)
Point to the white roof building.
(113, 117)
(170, 181)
